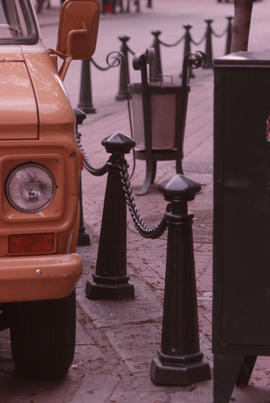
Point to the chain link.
(101, 68)
(198, 43)
(142, 228)
(93, 171)
(168, 45)
(219, 35)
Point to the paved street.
(117, 340)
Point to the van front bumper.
(42, 277)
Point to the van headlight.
(30, 188)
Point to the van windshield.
(17, 24)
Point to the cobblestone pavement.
(116, 340)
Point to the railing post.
(137, 4)
(110, 280)
(179, 361)
(229, 36)
(39, 6)
(103, 8)
(156, 68)
(85, 100)
(208, 45)
(124, 70)
(114, 6)
(128, 6)
(121, 6)
(187, 46)
(149, 4)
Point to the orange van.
(39, 177)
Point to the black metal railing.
(188, 41)
(156, 69)
(113, 59)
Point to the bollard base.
(83, 239)
(184, 373)
(122, 96)
(87, 108)
(192, 75)
(207, 66)
(109, 291)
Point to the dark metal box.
(241, 299)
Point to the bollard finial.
(118, 143)
(124, 38)
(80, 116)
(156, 33)
(180, 186)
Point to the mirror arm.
(68, 56)
(64, 68)
(66, 62)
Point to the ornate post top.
(180, 187)
(118, 143)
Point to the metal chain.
(93, 171)
(219, 35)
(113, 59)
(141, 227)
(101, 68)
(130, 51)
(167, 45)
(198, 43)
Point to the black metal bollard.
(187, 46)
(114, 6)
(128, 6)
(110, 280)
(124, 70)
(187, 43)
(85, 100)
(149, 4)
(137, 4)
(180, 361)
(103, 9)
(83, 239)
(39, 6)
(229, 36)
(156, 68)
(104, 6)
(121, 6)
(208, 45)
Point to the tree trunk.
(241, 24)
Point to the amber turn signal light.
(30, 243)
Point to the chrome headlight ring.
(30, 188)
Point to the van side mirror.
(77, 32)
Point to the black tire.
(43, 337)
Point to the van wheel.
(43, 337)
